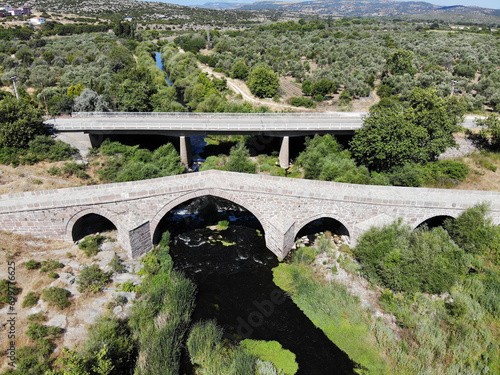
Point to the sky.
(493, 4)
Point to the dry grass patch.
(483, 175)
(20, 249)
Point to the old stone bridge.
(282, 205)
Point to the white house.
(16, 12)
(36, 21)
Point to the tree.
(89, 101)
(323, 87)
(240, 70)
(490, 131)
(263, 82)
(401, 62)
(307, 87)
(239, 160)
(20, 122)
(396, 135)
(74, 91)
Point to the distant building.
(26, 11)
(128, 19)
(5, 9)
(36, 21)
(16, 12)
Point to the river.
(233, 271)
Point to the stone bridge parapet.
(282, 205)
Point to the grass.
(31, 299)
(272, 351)
(222, 225)
(338, 314)
(55, 296)
(90, 244)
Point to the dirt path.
(241, 88)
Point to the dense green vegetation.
(395, 135)
(354, 54)
(412, 261)
(442, 290)
(272, 351)
(130, 163)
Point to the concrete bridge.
(184, 125)
(282, 205)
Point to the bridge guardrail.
(216, 115)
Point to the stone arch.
(213, 192)
(310, 219)
(434, 220)
(70, 226)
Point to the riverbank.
(389, 332)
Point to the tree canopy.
(395, 135)
(263, 82)
(20, 122)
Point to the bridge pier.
(185, 151)
(285, 152)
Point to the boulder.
(58, 321)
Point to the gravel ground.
(465, 147)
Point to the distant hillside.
(148, 11)
(366, 7)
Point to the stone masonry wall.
(282, 205)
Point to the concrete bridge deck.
(282, 205)
(188, 124)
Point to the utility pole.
(209, 43)
(14, 78)
(453, 83)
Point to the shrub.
(300, 101)
(116, 264)
(31, 299)
(72, 168)
(32, 264)
(404, 260)
(50, 265)
(7, 290)
(90, 244)
(474, 232)
(305, 255)
(239, 160)
(208, 353)
(38, 331)
(113, 335)
(92, 279)
(128, 286)
(55, 296)
(407, 175)
(54, 171)
(53, 275)
(440, 171)
(36, 318)
(44, 147)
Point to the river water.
(159, 64)
(233, 271)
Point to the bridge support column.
(285, 152)
(280, 234)
(185, 151)
(134, 235)
(96, 139)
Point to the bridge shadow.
(434, 222)
(321, 225)
(91, 224)
(202, 212)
